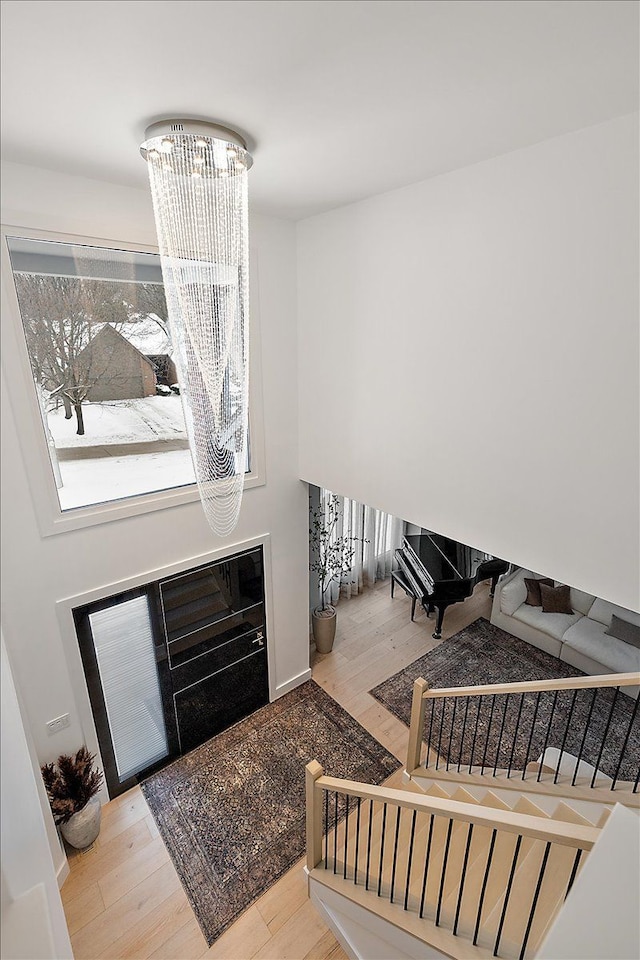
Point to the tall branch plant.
(333, 553)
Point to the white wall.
(468, 356)
(38, 572)
(40, 930)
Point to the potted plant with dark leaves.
(72, 785)
(331, 559)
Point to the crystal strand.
(202, 224)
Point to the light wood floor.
(123, 897)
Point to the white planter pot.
(84, 826)
(324, 629)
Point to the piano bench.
(397, 577)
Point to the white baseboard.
(62, 872)
(293, 683)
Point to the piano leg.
(437, 633)
(413, 607)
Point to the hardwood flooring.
(123, 898)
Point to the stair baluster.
(566, 733)
(485, 880)
(547, 733)
(604, 735)
(626, 741)
(584, 736)
(515, 735)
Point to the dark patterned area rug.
(482, 653)
(232, 812)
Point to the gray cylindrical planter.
(84, 826)
(324, 629)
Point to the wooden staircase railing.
(560, 741)
(442, 870)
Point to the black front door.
(174, 662)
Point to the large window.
(376, 535)
(97, 335)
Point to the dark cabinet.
(214, 624)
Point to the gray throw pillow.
(533, 590)
(623, 630)
(555, 599)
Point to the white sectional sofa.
(578, 638)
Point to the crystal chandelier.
(198, 178)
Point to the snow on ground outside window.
(131, 447)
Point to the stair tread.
(552, 892)
(526, 806)
(463, 796)
(412, 787)
(490, 799)
(435, 790)
(545, 787)
(568, 815)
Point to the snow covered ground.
(120, 421)
(130, 447)
(113, 474)
(102, 479)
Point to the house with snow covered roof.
(112, 368)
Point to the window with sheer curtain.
(378, 535)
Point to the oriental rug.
(483, 654)
(232, 812)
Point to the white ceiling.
(342, 99)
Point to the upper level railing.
(576, 731)
(493, 877)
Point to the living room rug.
(482, 653)
(232, 812)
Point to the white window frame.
(31, 433)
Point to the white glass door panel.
(124, 648)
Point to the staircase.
(456, 863)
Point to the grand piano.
(436, 571)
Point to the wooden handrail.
(567, 834)
(533, 686)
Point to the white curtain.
(378, 535)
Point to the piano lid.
(445, 559)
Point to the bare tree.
(148, 300)
(61, 315)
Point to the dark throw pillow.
(623, 630)
(533, 590)
(555, 599)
